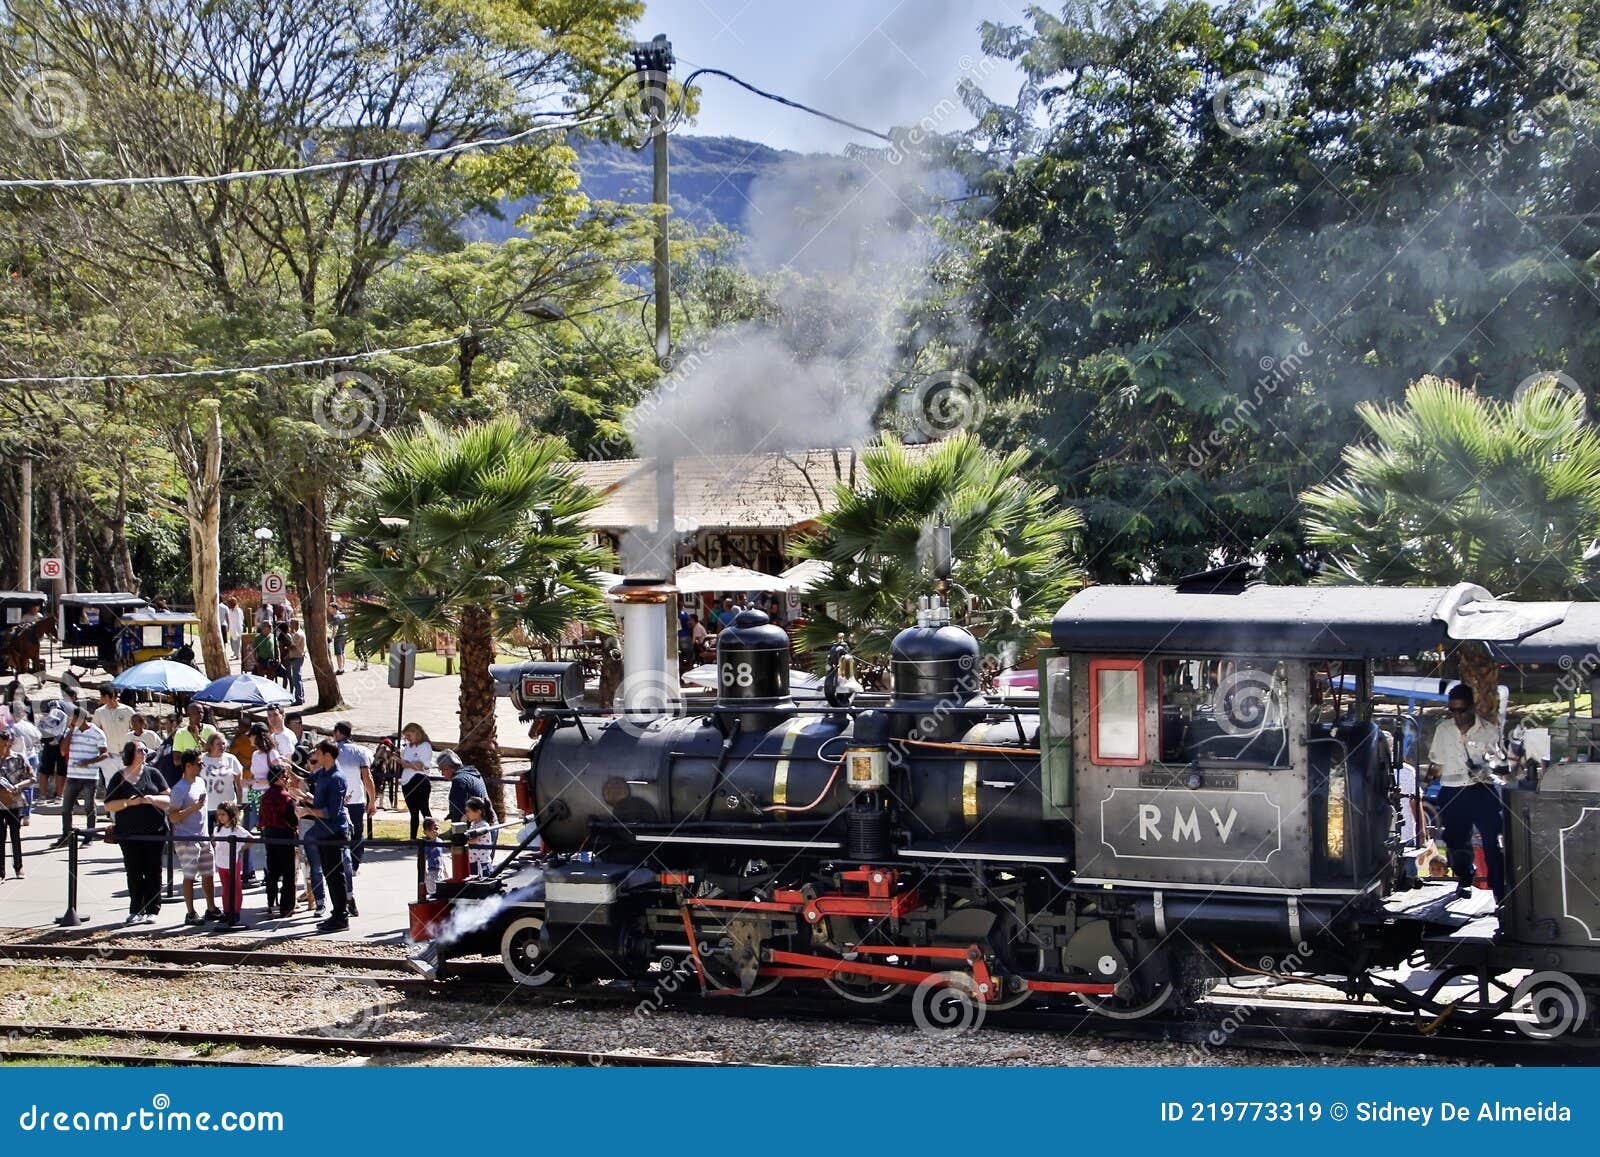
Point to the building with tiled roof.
(732, 510)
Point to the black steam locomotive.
(1201, 792)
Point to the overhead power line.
(783, 100)
(71, 379)
(291, 171)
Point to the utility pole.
(654, 59)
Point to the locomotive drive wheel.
(521, 951)
(1014, 948)
(858, 989)
(1138, 1007)
(863, 991)
(1151, 997)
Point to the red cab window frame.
(1095, 667)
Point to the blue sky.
(877, 62)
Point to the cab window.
(1116, 715)
(1224, 710)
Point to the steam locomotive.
(1197, 795)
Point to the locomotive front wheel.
(521, 951)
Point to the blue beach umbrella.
(160, 675)
(243, 690)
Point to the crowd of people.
(277, 648)
(290, 816)
(697, 631)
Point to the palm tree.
(1457, 487)
(1013, 546)
(470, 531)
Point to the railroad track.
(302, 1045)
(1244, 1019)
(387, 971)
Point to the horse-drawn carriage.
(24, 621)
(115, 630)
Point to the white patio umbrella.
(805, 575)
(695, 579)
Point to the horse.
(19, 644)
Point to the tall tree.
(285, 268)
(1452, 486)
(1206, 231)
(470, 531)
(1014, 547)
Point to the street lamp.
(263, 537)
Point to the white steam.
(842, 247)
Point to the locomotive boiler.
(1196, 788)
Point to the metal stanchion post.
(237, 878)
(172, 889)
(70, 918)
(422, 870)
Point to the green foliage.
(1207, 231)
(1014, 546)
(477, 516)
(1457, 487)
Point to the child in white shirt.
(228, 841)
(480, 840)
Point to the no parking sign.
(273, 587)
(51, 568)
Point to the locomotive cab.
(1222, 765)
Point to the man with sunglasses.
(1464, 749)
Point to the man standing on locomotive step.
(1463, 749)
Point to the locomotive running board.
(997, 857)
(739, 841)
(1165, 886)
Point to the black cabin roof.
(1319, 621)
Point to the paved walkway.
(386, 883)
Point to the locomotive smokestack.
(649, 645)
(646, 597)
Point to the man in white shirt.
(85, 751)
(1463, 750)
(233, 616)
(283, 740)
(116, 721)
(141, 733)
(355, 768)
